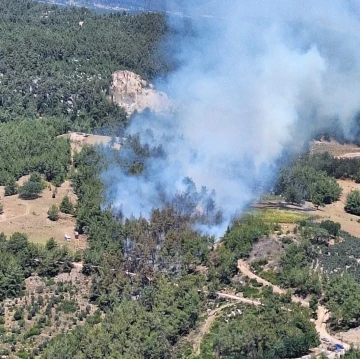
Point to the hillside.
(59, 63)
(111, 245)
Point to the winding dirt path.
(322, 312)
(245, 269)
(205, 327)
(27, 212)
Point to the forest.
(151, 282)
(52, 66)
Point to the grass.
(281, 216)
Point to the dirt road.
(205, 327)
(322, 313)
(244, 268)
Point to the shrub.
(68, 306)
(30, 190)
(22, 354)
(332, 227)
(11, 187)
(353, 203)
(94, 319)
(18, 314)
(53, 213)
(31, 332)
(51, 244)
(66, 206)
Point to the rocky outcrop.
(131, 92)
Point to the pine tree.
(66, 206)
(53, 213)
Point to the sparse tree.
(51, 244)
(353, 203)
(53, 213)
(66, 205)
(11, 187)
(30, 190)
(292, 195)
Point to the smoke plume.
(257, 79)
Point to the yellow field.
(281, 216)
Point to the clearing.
(285, 213)
(30, 216)
(335, 211)
(347, 150)
(80, 139)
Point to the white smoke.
(257, 80)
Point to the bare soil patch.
(335, 211)
(80, 139)
(351, 336)
(335, 148)
(268, 248)
(30, 217)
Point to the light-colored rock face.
(131, 92)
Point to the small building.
(67, 238)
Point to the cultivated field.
(285, 213)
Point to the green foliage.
(68, 306)
(275, 330)
(51, 244)
(66, 205)
(352, 354)
(302, 182)
(334, 167)
(35, 330)
(147, 328)
(18, 314)
(295, 272)
(30, 146)
(244, 234)
(94, 319)
(53, 67)
(22, 354)
(238, 242)
(333, 228)
(19, 258)
(342, 298)
(53, 213)
(353, 203)
(30, 190)
(11, 187)
(292, 194)
(36, 177)
(250, 292)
